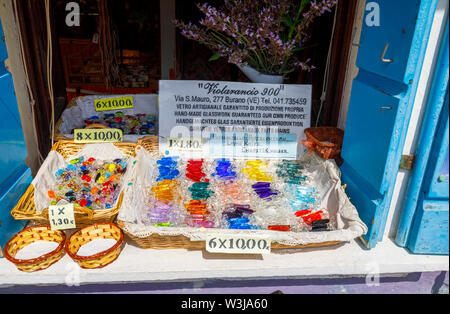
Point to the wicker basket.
(26, 208)
(88, 234)
(32, 235)
(156, 241)
(159, 242)
(326, 141)
(58, 136)
(150, 143)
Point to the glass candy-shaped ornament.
(138, 124)
(238, 217)
(197, 194)
(163, 205)
(255, 170)
(88, 183)
(291, 172)
(168, 168)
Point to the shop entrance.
(126, 46)
(116, 44)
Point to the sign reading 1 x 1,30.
(84, 136)
(114, 103)
(62, 217)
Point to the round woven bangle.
(31, 235)
(88, 234)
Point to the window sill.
(139, 265)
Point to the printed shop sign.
(233, 119)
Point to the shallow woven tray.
(26, 208)
(32, 235)
(88, 234)
(156, 241)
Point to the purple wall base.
(416, 283)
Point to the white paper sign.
(62, 217)
(234, 114)
(238, 244)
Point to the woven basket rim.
(310, 134)
(78, 258)
(40, 258)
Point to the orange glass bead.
(279, 228)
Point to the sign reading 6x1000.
(238, 244)
(114, 103)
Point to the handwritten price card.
(238, 244)
(118, 103)
(86, 136)
(62, 217)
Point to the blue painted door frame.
(424, 225)
(390, 60)
(15, 175)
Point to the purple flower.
(250, 32)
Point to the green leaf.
(214, 57)
(302, 6)
(287, 20)
(303, 48)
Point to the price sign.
(85, 136)
(238, 244)
(62, 217)
(114, 103)
(185, 144)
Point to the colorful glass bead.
(264, 190)
(75, 184)
(254, 171)
(279, 228)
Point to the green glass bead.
(163, 225)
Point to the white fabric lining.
(45, 180)
(326, 174)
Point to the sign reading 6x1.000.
(238, 244)
(84, 136)
(114, 103)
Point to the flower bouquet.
(265, 35)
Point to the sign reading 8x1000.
(84, 136)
